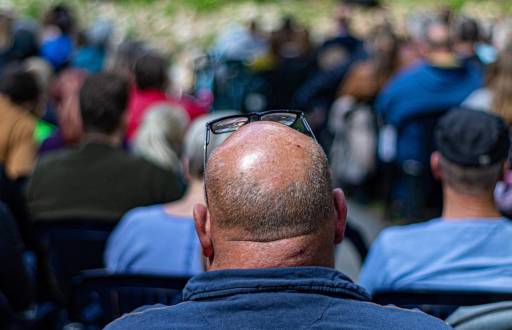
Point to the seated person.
(15, 282)
(269, 232)
(161, 239)
(470, 246)
(19, 97)
(98, 179)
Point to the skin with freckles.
(271, 202)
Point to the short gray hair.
(160, 136)
(194, 142)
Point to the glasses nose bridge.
(255, 116)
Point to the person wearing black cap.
(470, 246)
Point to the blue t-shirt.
(150, 241)
(469, 254)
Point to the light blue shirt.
(472, 254)
(150, 241)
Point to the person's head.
(467, 30)
(384, 46)
(103, 99)
(61, 17)
(65, 91)
(502, 34)
(438, 37)
(160, 135)
(193, 146)
(21, 87)
(270, 201)
(151, 72)
(124, 58)
(500, 83)
(472, 152)
(42, 70)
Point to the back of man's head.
(268, 182)
(103, 100)
(473, 146)
(438, 36)
(467, 30)
(151, 72)
(20, 85)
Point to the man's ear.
(202, 223)
(340, 210)
(434, 164)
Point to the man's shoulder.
(180, 316)
(411, 230)
(374, 316)
(55, 158)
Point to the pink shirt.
(141, 101)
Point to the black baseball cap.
(472, 138)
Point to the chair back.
(99, 297)
(497, 316)
(439, 303)
(73, 246)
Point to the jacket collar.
(318, 280)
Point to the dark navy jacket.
(423, 90)
(278, 298)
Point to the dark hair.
(19, 85)
(151, 71)
(468, 30)
(60, 16)
(103, 100)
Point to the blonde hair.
(501, 85)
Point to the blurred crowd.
(95, 131)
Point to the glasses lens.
(228, 125)
(284, 118)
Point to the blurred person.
(151, 84)
(467, 35)
(92, 47)
(19, 98)
(469, 246)
(440, 82)
(161, 238)
(123, 59)
(57, 36)
(65, 94)
(269, 232)
(502, 34)
(496, 96)
(366, 78)
(344, 46)
(98, 180)
(159, 139)
(18, 39)
(352, 120)
(16, 284)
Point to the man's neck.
(193, 195)
(293, 252)
(443, 59)
(467, 206)
(110, 139)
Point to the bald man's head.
(268, 182)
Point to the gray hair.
(160, 136)
(194, 142)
